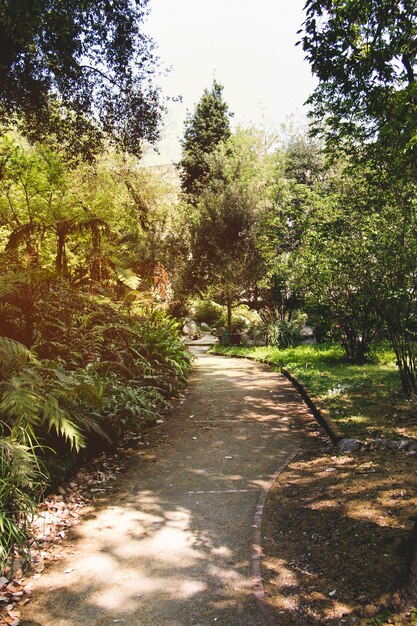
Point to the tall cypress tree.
(204, 131)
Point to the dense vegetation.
(261, 234)
(86, 353)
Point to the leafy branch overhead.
(364, 55)
(84, 70)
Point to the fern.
(128, 277)
(21, 481)
(13, 356)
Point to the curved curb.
(321, 414)
(256, 570)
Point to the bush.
(243, 319)
(321, 321)
(96, 372)
(20, 485)
(277, 332)
(207, 311)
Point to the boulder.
(377, 443)
(404, 444)
(190, 328)
(349, 445)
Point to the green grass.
(364, 400)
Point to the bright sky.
(247, 45)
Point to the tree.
(204, 131)
(365, 56)
(86, 69)
(364, 53)
(300, 171)
(337, 264)
(225, 231)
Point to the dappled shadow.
(320, 568)
(173, 545)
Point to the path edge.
(322, 415)
(256, 558)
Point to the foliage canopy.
(364, 54)
(84, 69)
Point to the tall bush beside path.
(98, 373)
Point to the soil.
(338, 537)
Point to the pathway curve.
(172, 547)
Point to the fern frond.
(128, 277)
(21, 234)
(56, 418)
(13, 356)
(19, 403)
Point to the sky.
(247, 46)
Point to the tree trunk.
(229, 316)
(61, 263)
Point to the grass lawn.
(365, 400)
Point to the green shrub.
(21, 482)
(97, 371)
(243, 319)
(321, 321)
(207, 311)
(277, 332)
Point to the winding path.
(173, 545)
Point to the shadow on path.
(172, 546)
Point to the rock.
(307, 331)
(204, 326)
(389, 444)
(349, 445)
(377, 443)
(403, 444)
(413, 446)
(190, 328)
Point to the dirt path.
(172, 547)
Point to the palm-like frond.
(128, 277)
(13, 356)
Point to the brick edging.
(256, 565)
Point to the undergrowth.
(96, 371)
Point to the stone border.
(256, 566)
(338, 438)
(322, 415)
